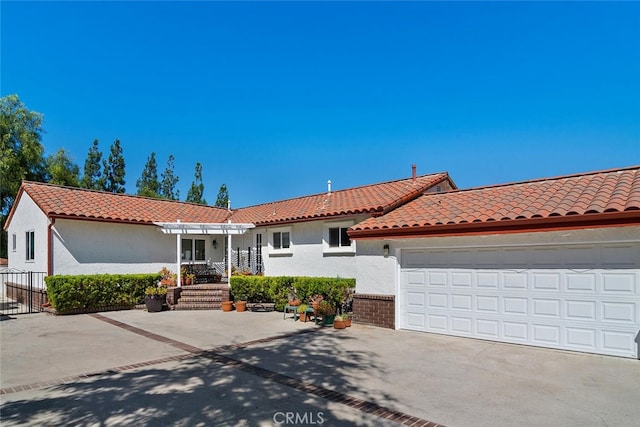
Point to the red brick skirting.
(375, 310)
(20, 293)
(173, 295)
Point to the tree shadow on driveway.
(301, 380)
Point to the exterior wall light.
(385, 251)
(215, 244)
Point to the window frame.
(192, 247)
(30, 251)
(273, 250)
(340, 249)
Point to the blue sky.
(274, 99)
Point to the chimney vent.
(413, 173)
(329, 187)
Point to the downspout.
(50, 247)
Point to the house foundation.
(374, 310)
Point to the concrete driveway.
(256, 369)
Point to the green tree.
(62, 170)
(21, 154)
(197, 188)
(92, 177)
(169, 182)
(113, 170)
(223, 197)
(148, 184)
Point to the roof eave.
(371, 212)
(98, 219)
(600, 220)
(21, 191)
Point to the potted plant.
(339, 322)
(154, 298)
(347, 320)
(327, 311)
(227, 305)
(240, 297)
(315, 301)
(183, 275)
(302, 312)
(190, 278)
(292, 297)
(167, 278)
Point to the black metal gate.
(22, 292)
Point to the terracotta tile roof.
(59, 201)
(374, 199)
(597, 195)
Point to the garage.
(579, 297)
(552, 262)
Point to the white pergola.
(181, 228)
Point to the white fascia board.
(203, 228)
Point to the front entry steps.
(202, 297)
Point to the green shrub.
(89, 292)
(276, 289)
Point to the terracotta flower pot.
(227, 305)
(347, 322)
(339, 324)
(295, 302)
(241, 306)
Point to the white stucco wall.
(92, 247)
(378, 275)
(28, 217)
(308, 256)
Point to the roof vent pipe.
(413, 173)
(329, 187)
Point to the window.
(193, 250)
(338, 237)
(31, 246)
(335, 239)
(280, 241)
(14, 244)
(199, 249)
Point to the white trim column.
(178, 258)
(229, 256)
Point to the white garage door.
(582, 298)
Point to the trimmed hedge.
(276, 289)
(91, 292)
